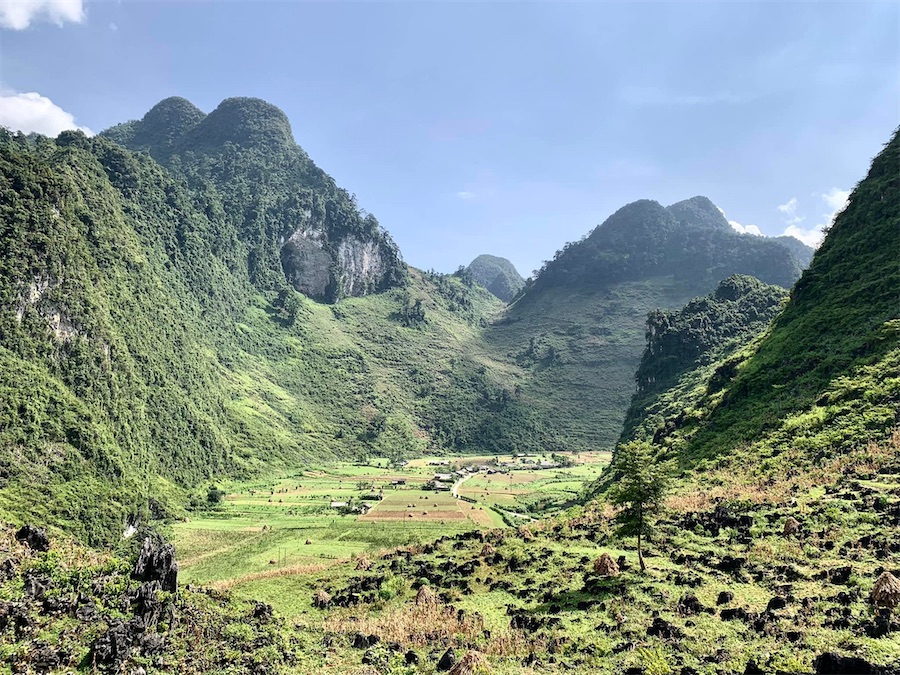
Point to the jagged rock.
(262, 612)
(146, 603)
(156, 562)
(753, 669)
(36, 587)
(689, 605)
(44, 658)
(112, 647)
(447, 660)
(662, 628)
(776, 603)
(734, 614)
(34, 538)
(7, 569)
(86, 610)
(724, 598)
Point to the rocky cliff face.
(280, 203)
(326, 270)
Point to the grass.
(282, 531)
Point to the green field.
(274, 539)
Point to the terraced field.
(265, 532)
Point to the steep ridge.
(685, 346)
(139, 359)
(579, 325)
(831, 357)
(291, 218)
(498, 275)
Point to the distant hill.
(498, 275)
(579, 325)
(302, 225)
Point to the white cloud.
(811, 237)
(18, 14)
(790, 210)
(835, 201)
(31, 112)
(745, 229)
(465, 195)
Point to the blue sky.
(504, 128)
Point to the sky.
(499, 127)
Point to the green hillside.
(824, 377)
(498, 275)
(579, 326)
(684, 347)
(141, 361)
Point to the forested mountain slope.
(290, 215)
(142, 359)
(579, 325)
(685, 346)
(825, 375)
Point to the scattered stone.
(472, 663)
(776, 603)
(689, 605)
(34, 538)
(321, 599)
(426, 597)
(833, 664)
(724, 598)
(662, 628)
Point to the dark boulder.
(447, 660)
(724, 598)
(662, 628)
(776, 603)
(833, 664)
(34, 538)
(156, 562)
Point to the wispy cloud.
(835, 200)
(30, 112)
(465, 195)
(743, 229)
(658, 96)
(19, 14)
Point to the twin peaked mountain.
(189, 296)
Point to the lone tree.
(640, 491)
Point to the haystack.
(487, 550)
(364, 564)
(472, 663)
(791, 527)
(321, 599)
(886, 591)
(426, 597)
(605, 566)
